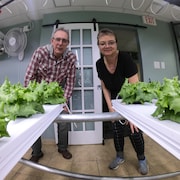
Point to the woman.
(113, 68)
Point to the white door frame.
(86, 136)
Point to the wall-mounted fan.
(15, 41)
(1, 43)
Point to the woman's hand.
(133, 127)
(111, 110)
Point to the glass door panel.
(78, 82)
(77, 52)
(88, 77)
(87, 56)
(77, 100)
(87, 36)
(89, 126)
(88, 100)
(75, 37)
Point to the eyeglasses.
(109, 43)
(64, 41)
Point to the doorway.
(127, 42)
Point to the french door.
(86, 96)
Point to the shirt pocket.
(44, 71)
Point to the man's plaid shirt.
(45, 66)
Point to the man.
(54, 62)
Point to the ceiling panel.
(20, 10)
(18, 7)
(13, 20)
(89, 2)
(114, 3)
(5, 13)
(60, 3)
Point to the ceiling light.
(108, 2)
(8, 10)
(5, 6)
(158, 6)
(132, 5)
(45, 2)
(25, 5)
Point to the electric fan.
(15, 41)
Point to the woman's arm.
(133, 79)
(107, 96)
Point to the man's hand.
(65, 109)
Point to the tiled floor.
(94, 160)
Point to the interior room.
(147, 30)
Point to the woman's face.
(107, 45)
(59, 42)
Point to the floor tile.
(94, 160)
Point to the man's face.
(59, 43)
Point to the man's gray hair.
(61, 29)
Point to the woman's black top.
(125, 69)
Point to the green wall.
(11, 67)
(156, 44)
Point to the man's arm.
(31, 69)
(70, 82)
